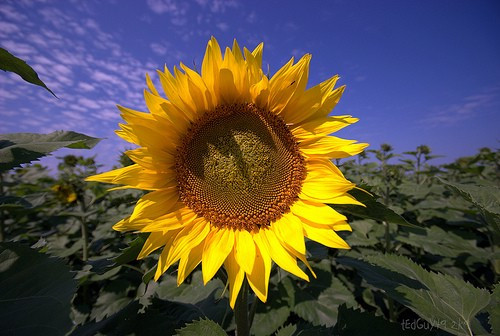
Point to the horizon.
(416, 73)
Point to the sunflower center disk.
(239, 166)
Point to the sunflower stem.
(85, 231)
(241, 311)
(253, 309)
(2, 232)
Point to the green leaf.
(349, 324)
(127, 255)
(9, 62)
(35, 292)
(271, 315)
(437, 241)
(19, 148)
(288, 330)
(371, 210)
(197, 294)
(14, 202)
(447, 302)
(132, 251)
(112, 299)
(201, 327)
(494, 310)
(485, 198)
(159, 318)
(319, 300)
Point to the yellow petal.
(324, 235)
(327, 105)
(289, 230)
(228, 91)
(162, 261)
(190, 236)
(150, 85)
(316, 212)
(210, 67)
(152, 159)
(178, 217)
(318, 128)
(306, 104)
(154, 242)
(235, 276)
(283, 85)
(345, 199)
(266, 239)
(188, 262)
(135, 176)
(258, 278)
(217, 246)
(155, 204)
(323, 182)
(244, 250)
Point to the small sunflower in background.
(65, 193)
(238, 166)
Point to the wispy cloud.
(469, 107)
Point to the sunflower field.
(422, 254)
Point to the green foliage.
(19, 148)
(440, 299)
(35, 292)
(201, 327)
(440, 274)
(9, 62)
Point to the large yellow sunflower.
(238, 166)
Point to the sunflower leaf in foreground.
(444, 301)
(349, 325)
(238, 166)
(9, 62)
(485, 198)
(35, 292)
(19, 148)
(201, 327)
(372, 209)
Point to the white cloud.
(468, 108)
(158, 48)
(218, 6)
(222, 26)
(167, 6)
(86, 87)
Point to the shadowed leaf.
(35, 292)
(19, 148)
(9, 62)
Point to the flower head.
(238, 166)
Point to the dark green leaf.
(486, 198)
(448, 302)
(159, 318)
(372, 210)
(201, 327)
(9, 62)
(288, 330)
(35, 292)
(354, 322)
(13, 202)
(494, 310)
(19, 148)
(132, 251)
(271, 315)
(319, 300)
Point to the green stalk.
(2, 232)
(241, 311)
(85, 231)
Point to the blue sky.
(417, 72)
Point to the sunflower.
(238, 166)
